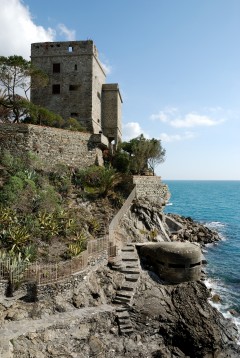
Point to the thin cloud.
(194, 120)
(167, 138)
(18, 31)
(174, 118)
(107, 68)
(105, 64)
(132, 130)
(163, 116)
(69, 34)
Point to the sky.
(177, 63)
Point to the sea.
(216, 204)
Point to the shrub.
(121, 162)
(73, 124)
(11, 190)
(97, 180)
(48, 199)
(47, 224)
(77, 247)
(13, 163)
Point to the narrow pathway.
(15, 329)
(129, 265)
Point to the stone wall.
(151, 187)
(52, 145)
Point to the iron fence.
(52, 272)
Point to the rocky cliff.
(81, 318)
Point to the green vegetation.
(17, 77)
(139, 156)
(15, 80)
(37, 210)
(14, 267)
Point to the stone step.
(128, 249)
(126, 331)
(130, 271)
(121, 309)
(125, 326)
(123, 293)
(121, 300)
(123, 320)
(131, 265)
(132, 277)
(127, 286)
(130, 259)
(123, 315)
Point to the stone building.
(77, 87)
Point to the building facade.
(77, 86)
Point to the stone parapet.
(152, 188)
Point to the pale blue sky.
(177, 63)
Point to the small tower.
(77, 86)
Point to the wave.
(169, 204)
(215, 224)
(225, 304)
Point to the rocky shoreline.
(81, 320)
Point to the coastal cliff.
(80, 317)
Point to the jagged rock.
(216, 298)
(167, 320)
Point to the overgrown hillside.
(49, 216)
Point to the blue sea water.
(216, 204)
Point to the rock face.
(81, 318)
(193, 231)
(168, 321)
(147, 222)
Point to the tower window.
(55, 89)
(75, 67)
(70, 48)
(74, 115)
(56, 67)
(73, 87)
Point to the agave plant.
(78, 246)
(48, 224)
(15, 238)
(13, 265)
(7, 217)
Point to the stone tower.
(77, 86)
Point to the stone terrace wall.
(52, 145)
(151, 187)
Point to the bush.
(73, 125)
(13, 163)
(11, 190)
(97, 180)
(121, 162)
(48, 199)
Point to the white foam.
(216, 287)
(215, 224)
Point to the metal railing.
(52, 272)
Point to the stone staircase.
(128, 264)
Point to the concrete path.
(15, 329)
